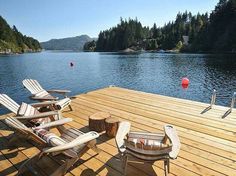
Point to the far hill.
(70, 43)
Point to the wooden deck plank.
(227, 135)
(232, 129)
(172, 99)
(187, 158)
(159, 125)
(171, 105)
(6, 167)
(208, 141)
(176, 112)
(217, 112)
(187, 143)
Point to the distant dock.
(208, 141)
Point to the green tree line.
(11, 40)
(219, 33)
(205, 33)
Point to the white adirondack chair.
(30, 113)
(71, 144)
(38, 93)
(164, 151)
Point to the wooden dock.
(208, 140)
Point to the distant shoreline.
(141, 51)
(17, 53)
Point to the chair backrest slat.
(42, 93)
(32, 85)
(37, 85)
(27, 110)
(9, 103)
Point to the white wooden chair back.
(171, 133)
(33, 86)
(9, 103)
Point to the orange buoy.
(185, 82)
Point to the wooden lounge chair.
(40, 94)
(72, 144)
(27, 112)
(147, 147)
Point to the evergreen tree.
(207, 33)
(11, 38)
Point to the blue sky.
(47, 19)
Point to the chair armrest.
(76, 142)
(43, 104)
(58, 91)
(54, 123)
(172, 134)
(36, 116)
(123, 130)
(43, 98)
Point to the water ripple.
(149, 72)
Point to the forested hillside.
(204, 33)
(13, 41)
(70, 43)
(219, 34)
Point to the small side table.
(97, 121)
(111, 124)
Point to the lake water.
(150, 72)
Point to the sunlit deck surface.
(208, 140)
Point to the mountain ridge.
(69, 43)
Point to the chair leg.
(166, 167)
(70, 107)
(96, 149)
(65, 167)
(125, 160)
(92, 145)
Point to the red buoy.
(185, 82)
(71, 64)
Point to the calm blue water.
(149, 72)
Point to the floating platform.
(208, 136)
